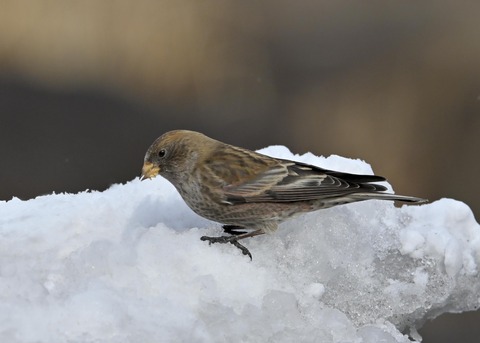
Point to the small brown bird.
(247, 190)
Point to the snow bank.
(127, 265)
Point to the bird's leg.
(233, 229)
(234, 240)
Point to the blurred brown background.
(86, 86)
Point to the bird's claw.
(242, 248)
(221, 239)
(227, 239)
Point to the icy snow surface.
(127, 265)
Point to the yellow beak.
(149, 171)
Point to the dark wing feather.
(290, 181)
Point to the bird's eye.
(162, 153)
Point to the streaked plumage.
(245, 189)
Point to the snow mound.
(127, 265)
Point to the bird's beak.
(149, 171)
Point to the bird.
(248, 192)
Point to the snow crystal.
(127, 265)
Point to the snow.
(127, 265)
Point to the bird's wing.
(289, 181)
(239, 171)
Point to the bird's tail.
(387, 196)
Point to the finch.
(249, 192)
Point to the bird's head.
(173, 155)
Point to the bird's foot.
(227, 239)
(234, 230)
